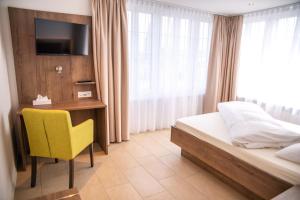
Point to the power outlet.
(84, 94)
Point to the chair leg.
(56, 160)
(71, 173)
(33, 170)
(91, 154)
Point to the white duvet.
(251, 127)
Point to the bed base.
(247, 179)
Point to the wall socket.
(84, 94)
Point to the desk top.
(80, 105)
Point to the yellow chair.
(51, 134)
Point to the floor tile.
(123, 192)
(212, 187)
(23, 186)
(86, 177)
(24, 177)
(123, 160)
(94, 192)
(136, 150)
(99, 156)
(180, 165)
(180, 189)
(151, 145)
(110, 176)
(155, 167)
(143, 182)
(149, 167)
(26, 192)
(54, 177)
(164, 140)
(161, 196)
(115, 146)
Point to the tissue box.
(41, 102)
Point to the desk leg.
(21, 150)
(102, 129)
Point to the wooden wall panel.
(50, 82)
(80, 19)
(36, 73)
(91, 88)
(23, 39)
(80, 68)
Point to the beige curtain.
(110, 62)
(223, 61)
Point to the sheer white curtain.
(269, 70)
(168, 58)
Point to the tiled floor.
(147, 167)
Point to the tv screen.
(61, 38)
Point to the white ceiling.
(230, 7)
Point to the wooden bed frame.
(247, 179)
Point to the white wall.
(81, 7)
(8, 89)
(7, 165)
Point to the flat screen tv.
(61, 38)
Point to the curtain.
(269, 68)
(168, 58)
(223, 61)
(109, 21)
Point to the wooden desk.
(79, 111)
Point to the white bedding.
(211, 128)
(251, 127)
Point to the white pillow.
(251, 127)
(238, 111)
(291, 153)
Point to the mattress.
(211, 128)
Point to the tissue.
(40, 100)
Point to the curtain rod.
(266, 9)
(179, 6)
(223, 14)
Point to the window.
(168, 59)
(270, 60)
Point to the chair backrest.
(48, 132)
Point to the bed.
(258, 173)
